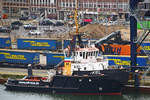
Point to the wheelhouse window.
(83, 55)
(96, 53)
(92, 53)
(76, 53)
(80, 54)
(86, 55)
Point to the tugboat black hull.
(81, 85)
(85, 85)
(61, 91)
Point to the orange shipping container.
(116, 49)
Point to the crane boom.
(76, 17)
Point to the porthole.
(100, 88)
(80, 80)
(90, 80)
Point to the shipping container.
(19, 56)
(5, 42)
(125, 60)
(37, 44)
(54, 58)
(145, 48)
(59, 44)
(117, 49)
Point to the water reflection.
(13, 95)
(81, 97)
(136, 96)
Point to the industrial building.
(61, 9)
(15, 8)
(92, 7)
(64, 9)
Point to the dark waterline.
(11, 95)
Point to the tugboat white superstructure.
(84, 60)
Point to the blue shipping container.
(37, 44)
(146, 47)
(125, 60)
(19, 57)
(5, 42)
(54, 58)
(59, 44)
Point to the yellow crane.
(76, 17)
(77, 35)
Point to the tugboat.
(84, 72)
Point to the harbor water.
(13, 95)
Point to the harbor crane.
(134, 14)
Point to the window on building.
(90, 5)
(71, 4)
(74, 4)
(147, 6)
(6, 9)
(84, 5)
(53, 10)
(61, 4)
(87, 5)
(120, 6)
(103, 4)
(95, 5)
(66, 4)
(80, 5)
